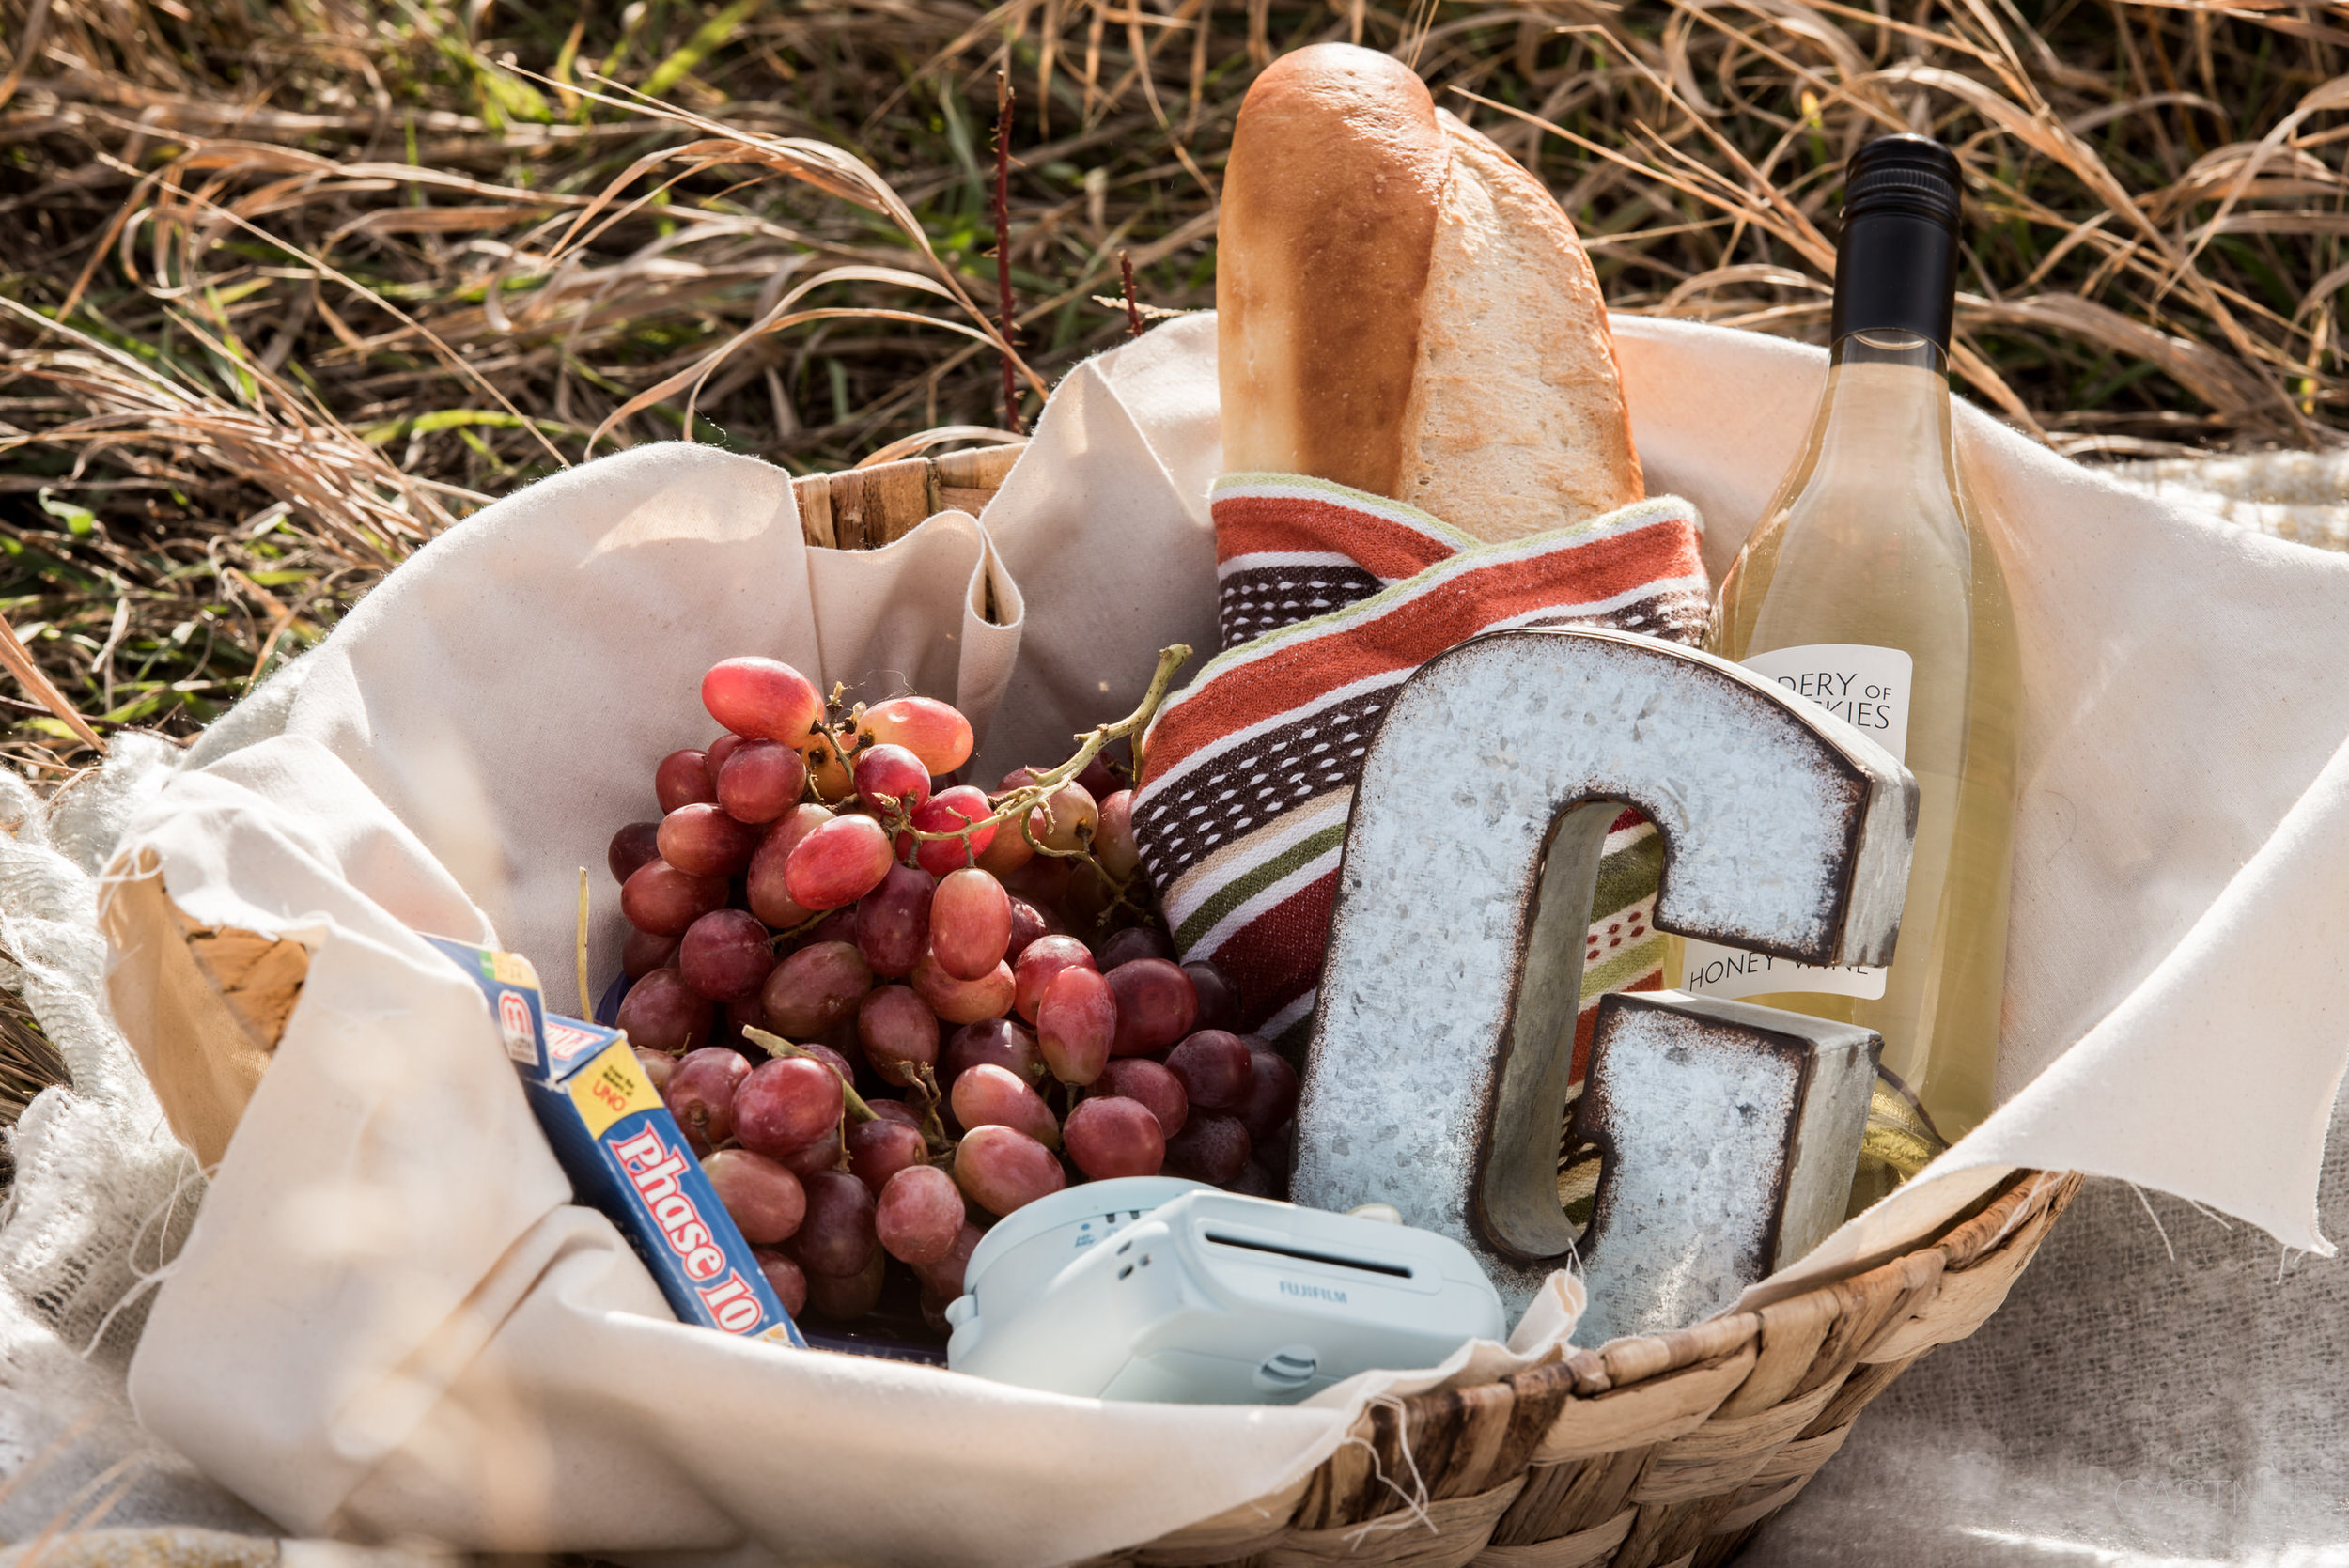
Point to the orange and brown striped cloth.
(1330, 597)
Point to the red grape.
(725, 956)
(837, 864)
(841, 1046)
(1156, 1005)
(893, 921)
(761, 780)
(845, 1298)
(1043, 881)
(1138, 1077)
(814, 1159)
(658, 1065)
(1273, 1151)
(1255, 1180)
(963, 1000)
(1215, 1070)
(1211, 1148)
(661, 1013)
(638, 844)
(765, 1198)
(881, 1148)
(970, 924)
(737, 1016)
(1218, 998)
(769, 898)
(703, 841)
(837, 926)
(919, 1214)
(946, 812)
(1135, 941)
(682, 779)
(1271, 1093)
(702, 1092)
(816, 987)
(1007, 852)
(1001, 1169)
(789, 1280)
(894, 1111)
(714, 755)
(1027, 925)
(762, 699)
(898, 1032)
(830, 1057)
(1100, 780)
(642, 951)
(838, 1236)
(1091, 895)
(1076, 1024)
(663, 900)
(786, 1104)
(889, 778)
(943, 1279)
(1116, 1138)
(1113, 842)
(931, 730)
(997, 1041)
(1066, 819)
(993, 1097)
(1039, 962)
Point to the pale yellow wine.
(1872, 544)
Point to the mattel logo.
(521, 1041)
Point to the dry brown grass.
(287, 286)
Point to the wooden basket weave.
(867, 508)
(1655, 1452)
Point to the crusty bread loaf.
(1404, 309)
(1328, 224)
(1516, 420)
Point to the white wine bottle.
(1871, 588)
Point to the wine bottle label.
(1867, 688)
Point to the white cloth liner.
(388, 1323)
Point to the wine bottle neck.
(1885, 416)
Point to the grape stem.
(1016, 803)
(1084, 852)
(933, 1128)
(775, 1045)
(810, 923)
(586, 1000)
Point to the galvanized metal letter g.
(1437, 1073)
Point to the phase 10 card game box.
(625, 1154)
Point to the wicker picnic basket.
(1654, 1452)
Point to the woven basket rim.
(1959, 1244)
(865, 508)
(1762, 1398)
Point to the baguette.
(1405, 310)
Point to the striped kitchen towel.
(1330, 598)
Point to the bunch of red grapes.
(888, 1008)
